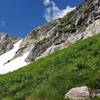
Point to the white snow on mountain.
(13, 64)
(10, 54)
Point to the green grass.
(51, 77)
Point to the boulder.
(78, 93)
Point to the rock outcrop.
(7, 42)
(78, 93)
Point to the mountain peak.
(6, 42)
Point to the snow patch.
(10, 54)
(14, 64)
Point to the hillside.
(51, 77)
(79, 24)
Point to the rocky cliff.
(79, 24)
(7, 42)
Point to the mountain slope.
(49, 78)
(78, 24)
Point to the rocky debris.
(7, 42)
(79, 93)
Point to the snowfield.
(10, 54)
(13, 64)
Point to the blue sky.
(19, 17)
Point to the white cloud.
(46, 2)
(2, 23)
(65, 11)
(53, 12)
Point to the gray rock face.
(6, 42)
(79, 24)
(78, 93)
